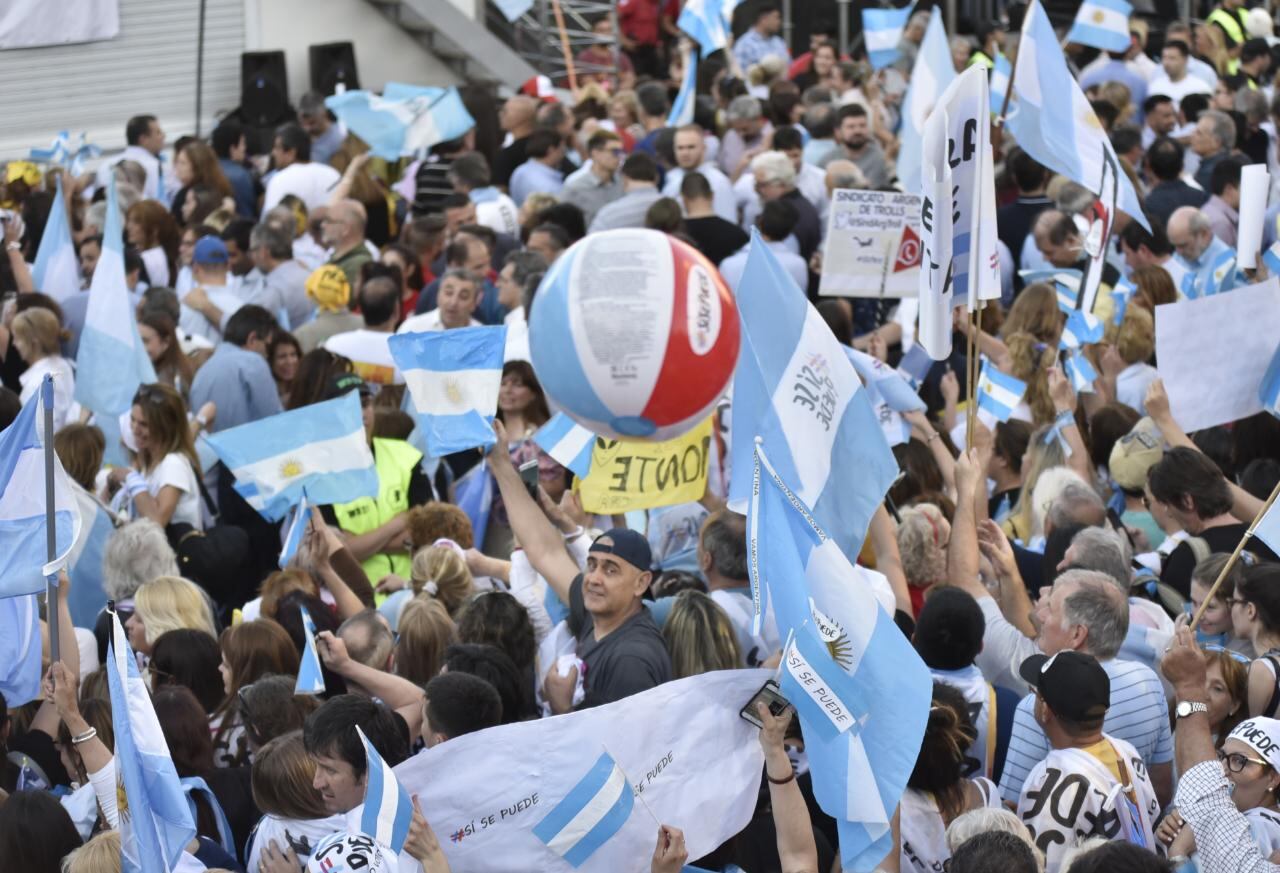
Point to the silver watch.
(1187, 707)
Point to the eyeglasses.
(1232, 653)
(1236, 762)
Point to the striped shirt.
(1138, 715)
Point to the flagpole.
(564, 46)
(1235, 556)
(51, 533)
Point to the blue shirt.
(240, 383)
(751, 48)
(534, 176)
(241, 187)
(1199, 278)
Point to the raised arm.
(797, 850)
(1064, 404)
(393, 690)
(884, 542)
(962, 551)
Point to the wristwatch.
(1188, 707)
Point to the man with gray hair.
(844, 174)
(284, 284)
(746, 138)
(343, 233)
(775, 178)
(1213, 138)
(369, 641)
(1198, 250)
(326, 134)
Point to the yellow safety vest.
(1229, 22)
(395, 461)
(980, 58)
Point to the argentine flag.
(860, 689)
(453, 377)
(795, 390)
(932, 73)
(1267, 528)
(155, 821)
(881, 32)
(887, 382)
(310, 677)
(1121, 294)
(707, 22)
(1000, 82)
(387, 809)
(682, 110)
(1082, 329)
(568, 442)
(1269, 390)
(999, 393)
(57, 270)
(405, 120)
(295, 531)
(69, 154)
(320, 448)
(1080, 372)
(20, 657)
(24, 557)
(84, 564)
(594, 810)
(111, 362)
(1102, 24)
(1052, 120)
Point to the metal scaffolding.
(536, 37)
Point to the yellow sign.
(627, 475)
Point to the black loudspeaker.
(332, 64)
(264, 89)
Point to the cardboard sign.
(873, 245)
(628, 474)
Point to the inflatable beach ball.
(634, 335)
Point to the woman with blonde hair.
(923, 536)
(439, 572)
(165, 604)
(100, 855)
(37, 338)
(1126, 363)
(425, 631)
(150, 227)
(293, 811)
(1030, 360)
(250, 650)
(700, 637)
(164, 484)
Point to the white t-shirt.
(312, 183)
(65, 407)
(369, 352)
(196, 324)
(177, 471)
(300, 834)
(427, 322)
(1175, 91)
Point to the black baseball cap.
(1073, 684)
(345, 382)
(624, 543)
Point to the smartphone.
(770, 697)
(529, 475)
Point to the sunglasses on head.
(1232, 653)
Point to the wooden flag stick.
(1235, 556)
(564, 46)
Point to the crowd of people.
(1045, 576)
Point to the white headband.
(1263, 736)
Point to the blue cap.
(210, 250)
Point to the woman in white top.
(937, 790)
(150, 227)
(164, 486)
(37, 336)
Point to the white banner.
(1213, 353)
(688, 757)
(873, 246)
(1255, 184)
(31, 23)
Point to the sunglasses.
(1232, 653)
(1236, 762)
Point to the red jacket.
(639, 20)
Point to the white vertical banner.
(31, 23)
(1255, 184)
(937, 215)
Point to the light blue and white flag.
(20, 659)
(57, 269)
(474, 495)
(1269, 390)
(999, 393)
(387, 809)
(593, 811)
(405, 120)
(24, 558)
(1267, 528)
(795, 389)
(310, 676)
(299, 518)
(881, 33)
(1082, 329)
(1052, 120)
(155, 821)
(1102, 24)
(85, 563)
(887, 382)
(1080, 372)
(513, 9)
(1219, 280)
(1271, 257)
(1121, 294)
(66, 152)
(568, 442)
(915, 365)
(686, 100)
(453, 377)
(1000, 82)
(861, 691)
(111, 362)
(932, 73)
(321, 448)
(1066, 282)
(707, 22)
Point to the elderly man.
(775, 178)
(1057, 238)
(749, 131)
(691, 155)
(1205, 257)
(1212, 139)
(343, 233)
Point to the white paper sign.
(1213, 353)
(30, 23)
(1255, 183)
(873, 245)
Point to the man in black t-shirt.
(715, 237)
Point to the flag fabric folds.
(1102, 24)
(861, 691)
(20, 658)
(881, 33)
(887, 382)
(999, 393)
(453, 377)
(295, 531)
(24, 557)
(568, 442)
(707, 21)
(155, 821)
(111, 362)
(1082, 328)
(474, 495)
(387, 809)
(915, 365)
(1000, 83)
(795, 390)
(1267, 528)
(932, 73)
(321, 448)
(310, 677)
(84, 564)
(67, 152)
(57, 270)
(686, 100)
(1080, 372)
(593, 811)
(405, 120)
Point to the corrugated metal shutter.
(149, 68)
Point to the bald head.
(1057, 238)
(1189, 232)
(344, 224)
(518, 115)
(844, 174)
